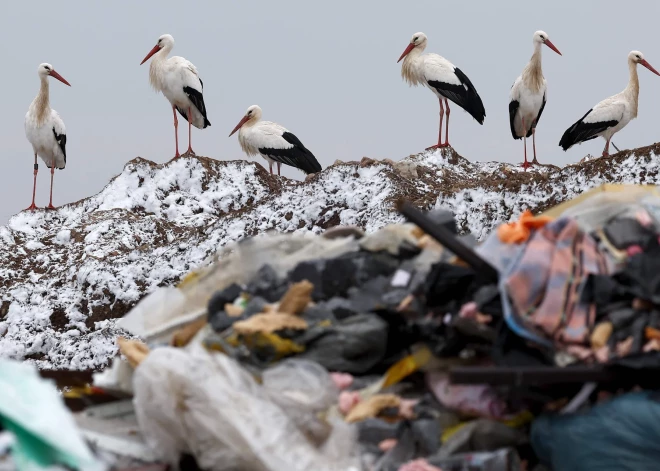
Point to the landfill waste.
(412, 348)
(43, 431)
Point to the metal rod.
(448, 240)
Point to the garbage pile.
(412, 348)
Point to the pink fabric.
(348, 400)
(387, 444)
(469, 310)
(342, 380)
(633, 250)
(475, 400)
(419, 465)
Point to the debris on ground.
(409, 348)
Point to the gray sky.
(325, 70)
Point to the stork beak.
(240, 123)
(151, 53)
(59, 77)
(649, 66)
(552, 46)
(410, 47)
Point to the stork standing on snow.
(610, 115)
(444, 79)
(179, 81)
(46, 132)
(274, 142)
(528, 96)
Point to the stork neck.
(632, 90)
(533, 73)
(41, 102)
(251, 122)
(156, 67)
(410, 66)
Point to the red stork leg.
(176, 133)
(442, 115)
(446, 144)
(190, 151)
(52, 174)
(34, 185)
(525, 163)
(534, 162)
(606, 150)
(270, 167)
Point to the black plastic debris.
(267, 284)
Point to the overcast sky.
(325, 70)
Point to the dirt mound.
(66, 274)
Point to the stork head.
(165, 41)
(252, 115)
(638, 58)
(418, 41)
(45, 69)
(541, 37)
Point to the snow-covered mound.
(65, 275)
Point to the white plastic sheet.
(206, 404)
(44, 430)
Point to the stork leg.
(34, 185)
(190, 151)
(534, 162)
(446, 144)
(278, 168)
(525, 163)
(270, 167)
(176, 133)
(52, 174)
(442, 115)
(606, 150)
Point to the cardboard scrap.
(372, 406)
(182, 336)
(233, 310)
(297, 297)
(134, 350)
(269, 323)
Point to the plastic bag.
(302, 389)
(44, 430)
(353, 345)
(208, 405)
(621, 435)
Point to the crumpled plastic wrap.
(156, 317)
(207, 405)
(302, 389)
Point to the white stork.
(444, 79)
(610, 115)
(528, 96)
(179, 81)
(274, 143)
(45, 130)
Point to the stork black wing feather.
(61, 142)
(582, 132)
(197, 99)
(297, 156)
(513, 109)
(464, 95)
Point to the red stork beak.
(552, 46)
(649, 66)
(59, 77)
(240, 123)
(151, 53)
(410, 47)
